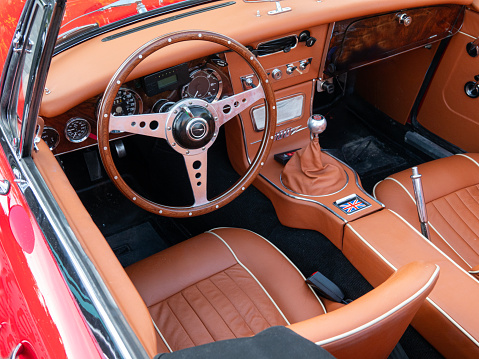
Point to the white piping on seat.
(454, 322)
(161, 336)
(448, 317)
(469, 158)
(374, 189)
(251, 274)
(404, 188)
(440, 235)
(430, 224)
(290, 262)
(385, 315)
(432, 245)
(371, 247)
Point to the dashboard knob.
(277, 74)
(290, 69)
(404, 19)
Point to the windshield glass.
(98, 13)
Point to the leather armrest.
(371, 326)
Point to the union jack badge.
(352, 204)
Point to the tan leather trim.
(452, 306)
(227, 283)
(289, 261)
(97, 249)
(445, 102)
(347, 332)
(405, 71)
(69, 88)
(252, 253)
(450, 202)
(251, 274)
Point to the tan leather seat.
(229, 283)
(451, 191)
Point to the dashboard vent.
(284, 44)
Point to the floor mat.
(369, 155)
(136, 243)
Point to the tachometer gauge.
(77, 129)
(127, 102)
(205, 84)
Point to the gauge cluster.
(157, 92)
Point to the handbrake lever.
(420, 202)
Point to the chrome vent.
(284, 44)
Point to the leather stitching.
(252, 302)
(196, 313)
(445, 219)
(179, 322)
(219, 314)
(289, 261)
(251, 274)
(233, 304)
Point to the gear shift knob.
(317, 125)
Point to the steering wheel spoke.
(234, 105)
(150, 124)
(196, 166)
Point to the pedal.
(93, 165)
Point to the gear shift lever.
(308, 171)
(317, 125)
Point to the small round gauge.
(51, 137)
(205, 84)
(77, 129)
(161, 106)
(127, 102)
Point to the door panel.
(446, 110)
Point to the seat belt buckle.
(327, 288)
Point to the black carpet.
(136, 243)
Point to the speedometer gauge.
(205, 84)
(127, 102)
(77, 129)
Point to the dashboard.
(334, 29)
(205, 78)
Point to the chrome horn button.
(197, 129)
(193, 127)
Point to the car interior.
(208, 172)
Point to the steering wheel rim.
(167, 126)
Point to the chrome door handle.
(17, 351)
(4, 187)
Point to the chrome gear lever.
(317, 125)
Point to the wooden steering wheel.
(190, 126)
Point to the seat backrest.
(371, 326)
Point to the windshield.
(98, 13)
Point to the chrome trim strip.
(304, 199)
(112, 317)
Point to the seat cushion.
(240, 292)
(451, 191)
